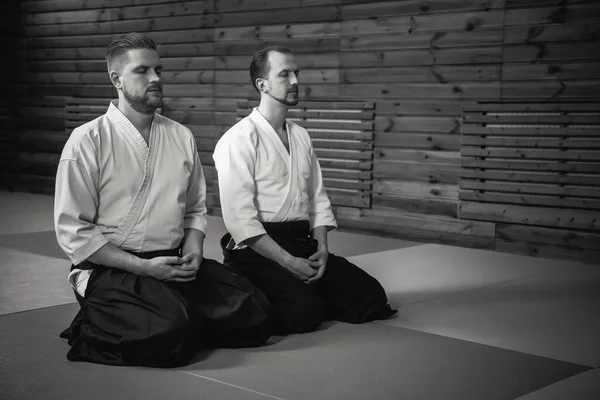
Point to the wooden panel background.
(419, 61)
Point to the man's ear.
(115, 79)
(262, 85)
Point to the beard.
(284, 100)
(143, 103)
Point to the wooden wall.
(419, 61)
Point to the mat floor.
(472, 324)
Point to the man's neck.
(274, 112)
(142, 122)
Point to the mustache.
(294, 89)
(155, 87)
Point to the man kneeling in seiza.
(278, 214)
(130, 214)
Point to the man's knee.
(305, 314)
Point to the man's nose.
(293, 79)
(154, 76)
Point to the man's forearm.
(193, 241)
(320, 235)
(268, 248)
(110, 255)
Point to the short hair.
(128, 41)
(259, 67)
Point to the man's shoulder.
(87, 132)
(243, 130)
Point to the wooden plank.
(419, 221)
(479, 90)
(224, 6)
(333, 124)
(468, 21)
(411, 140)
(344, 154)
(119, 14)
(424, 40)
(506, 107)
(537, 234)
(529, 199)
(41, 112)
(328, 75)
(64, 5)
(389, 8)
(56, 124)
(278, 16)
(308, 92)
(423, 107)
(529, 165)
(328, 105)
(346, 174)
(348, 198)
(303, 61)
(537, 142)
(417, 124)
(542, 154)
(336, 134)
(408, 171)
(341, 144)
(422, 156)
(345, 164)
(540, 3)
(529, 131)
(297, 45)
(420, 57)
(43, 141)
(561, 218)
(191, 117)
(415, 189)
(550, 52)
(551, 90)
(440, 74)
(584, 31)
(188, 104)
(551, 71)
(531, 188)
(415, 204)
(553, 15)
(43, 164)
(273, 32)
(164, 37)
(115, 26)
(531, 177)
(334, 183)
(188, 90)
(546, 251)
(531, 119)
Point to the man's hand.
(172, 269)
(192, 260)
(302, 268)
(320, 260)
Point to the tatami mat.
(543, 307)
(29, 281)
(585, 386)
(429, 271)
(340, 361)
(33, 367)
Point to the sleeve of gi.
(235, 157)
(195, 202)
(320, 213)
(76, 200)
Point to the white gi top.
(112, 186)
(259, 181)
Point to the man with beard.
(130, 214)
(278, 214)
